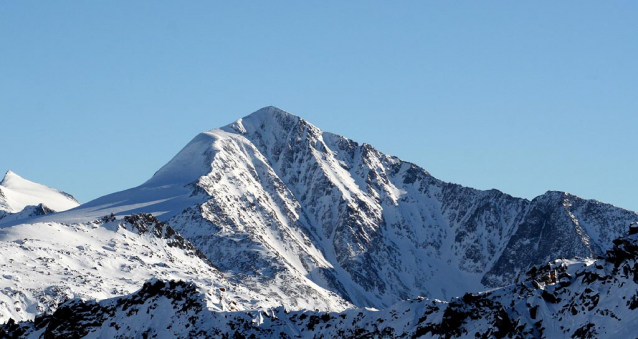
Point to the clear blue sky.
(522, 96)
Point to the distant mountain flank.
(21, 198)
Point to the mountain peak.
(192, 161)
(269, 115)
(11, 178)
(267, 112)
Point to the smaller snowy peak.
(9, 177)
(16, 193)
(558, 196)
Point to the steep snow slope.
(283, 207)
(564, 299)
(20, 197)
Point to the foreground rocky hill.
(45, 264)
(562, 299)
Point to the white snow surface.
(168, 192)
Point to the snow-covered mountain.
(281, 206)
(272, 216)
(563, 299)
(21, 198)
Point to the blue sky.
(520, 96)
